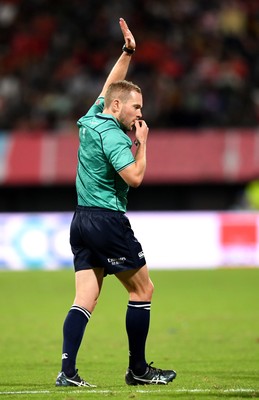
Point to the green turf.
(205, 324)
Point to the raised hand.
(128, 37)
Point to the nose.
(139, 114)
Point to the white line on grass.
(88, 391)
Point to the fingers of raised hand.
(128, 37)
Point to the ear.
(116, 105)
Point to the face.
(131, 111)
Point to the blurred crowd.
(197, 61)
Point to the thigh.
(104, 238)
(138, 284)
(88, 287)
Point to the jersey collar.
(111, 117)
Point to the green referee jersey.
(104, 150)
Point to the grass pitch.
(204, 324)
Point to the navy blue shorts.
(102, 238)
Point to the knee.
(89, 303)
(143, 293)
(150, 289)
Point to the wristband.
(127, 50)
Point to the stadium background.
(198, 65)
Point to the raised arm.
(120, 68)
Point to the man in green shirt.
(101, 237)
(98, 182)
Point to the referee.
(101, 237)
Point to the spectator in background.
(199, 67)
(252, 195)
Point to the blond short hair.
(120, 90)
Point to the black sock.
(73, 331)
(137, 325)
